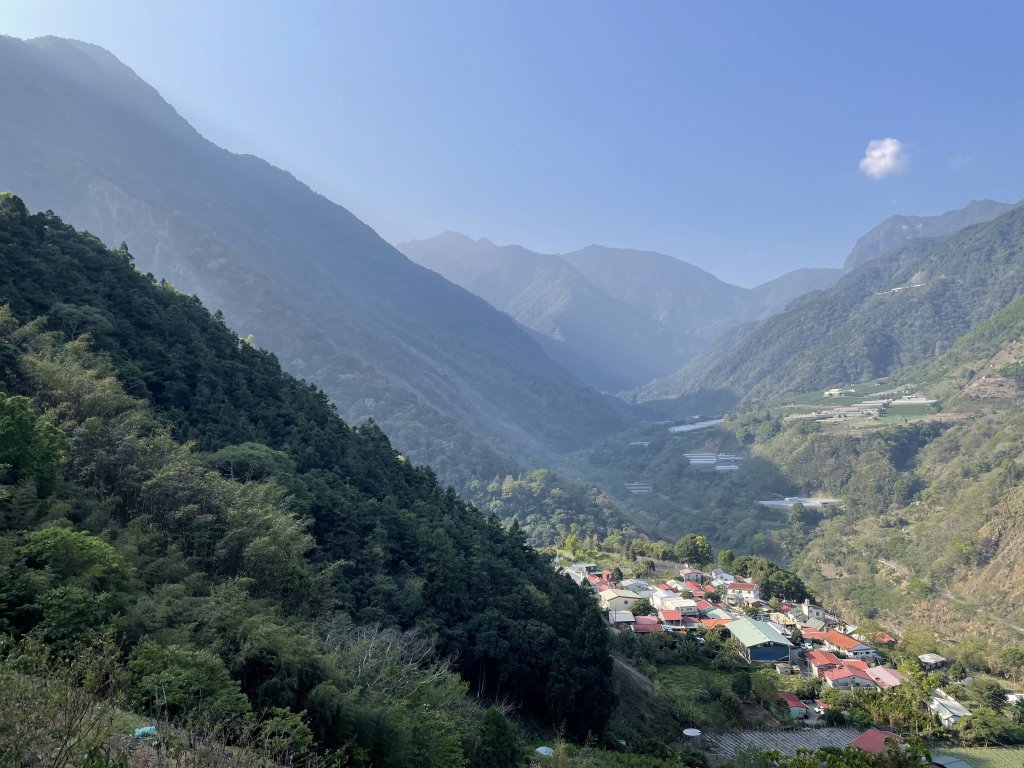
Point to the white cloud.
(884, 157)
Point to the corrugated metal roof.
(752, 633)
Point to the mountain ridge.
(897, 229)
(311, 281)
(618, 318)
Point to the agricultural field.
(986, 757)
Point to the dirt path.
(642, 680)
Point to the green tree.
(918, 640)
(988, 693)
(764, 685)
(284, 736)
(694, 549)
(499, 745)
(186, 685)
(30, 447)
(71, 616)
(1011, 661)
(987, 727)
(67, 556)
(641, 607)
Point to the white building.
(618, 599)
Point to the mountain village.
(791, 637)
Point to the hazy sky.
(748, 138)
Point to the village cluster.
(794, 637)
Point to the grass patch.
(691, 682)
(700, 695)
(986, 757)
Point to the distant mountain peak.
(94, 71)
(452, 239)
(896, 230)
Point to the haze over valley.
(290, 482)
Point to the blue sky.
(727, 134)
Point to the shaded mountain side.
(896, 230)
(602, 340)
(163, 479)
(776, 294)
(679, 296)
(904, 308)
(681, 383)
(81, 134)
(616, 318)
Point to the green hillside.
(895, 311)
(931, 533)
(164, 480)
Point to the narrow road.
(642, 680)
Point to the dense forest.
(166, 485)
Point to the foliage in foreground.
(277, 561)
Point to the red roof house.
(884, 677)
(715, 623)
(846, 644)
(881, 638)
(796, 707)
(670, 617)
(819, 661)
(848, 678)
(856, 664)
(874, 741)
(645, 624)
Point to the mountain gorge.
(439, 368)
(297, 496)
(617, 318)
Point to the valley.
(289, 494)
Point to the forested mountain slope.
(271, 553)
(904, 308)
(385, 338)
(936, 539)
